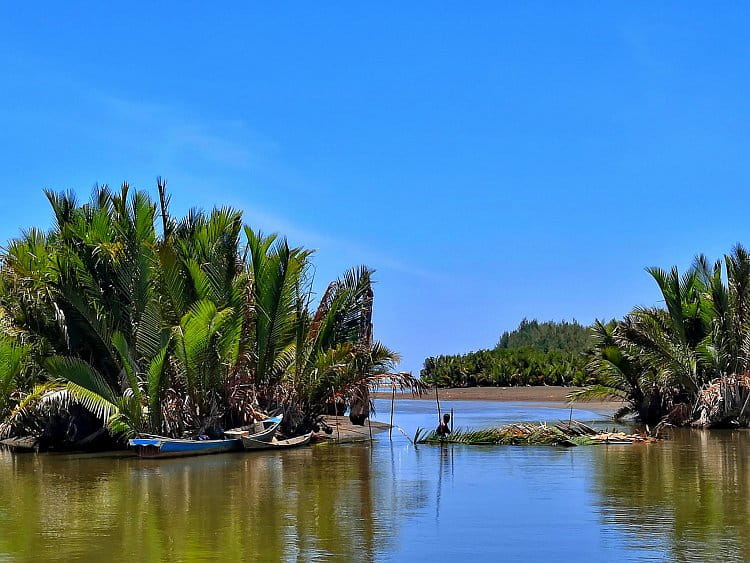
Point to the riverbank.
(536, 394)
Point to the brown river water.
(687, 499)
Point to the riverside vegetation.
(687, 361)
(123, 319)
(535, 353)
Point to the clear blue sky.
(492, 161)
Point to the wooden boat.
(261, 431)
(276, 444)
(160, 447)
(150, 446)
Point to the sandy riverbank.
(536, 394)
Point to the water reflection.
(312, 503)
(685, 499)
(689, 497)
(445, 471)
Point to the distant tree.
(547, 353)
(549, 335)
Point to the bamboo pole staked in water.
(451, 420)
(336, 414)
(437, 400)
(393, 399)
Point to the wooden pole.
(369, 426)
(336, 414)
(451, 421)
(742, 412)
(393, 399)
(437, 400)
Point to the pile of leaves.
(564, 433)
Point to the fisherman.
(443, 428)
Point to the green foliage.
(659, 359)
(333, 352)
(183, 330)
(278, 273)
(535, 353)
(506, 368)
(12, 358)
(513, 435)
(549, 335)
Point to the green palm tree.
(115, 289)
(661, 358)
(12, 358)
(334, 354)
(277, 275)
(172, 326)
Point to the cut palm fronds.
(564, 433)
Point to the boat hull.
(167, 447)
(262, 431)
(275, 444)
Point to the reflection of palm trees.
(318, 501)
(690, 494)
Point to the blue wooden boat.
(150, 446)
(159, 446)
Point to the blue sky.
(492, 161)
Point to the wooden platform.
(24, 444)
(344, 431)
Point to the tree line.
(547, 353)
(685, 361)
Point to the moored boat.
(160, 447)
(150, 446)
(261, 431)
(251, 444)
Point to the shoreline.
(531, 394)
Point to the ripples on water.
(686, 499)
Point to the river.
(684, 499)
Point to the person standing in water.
(443, 428)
